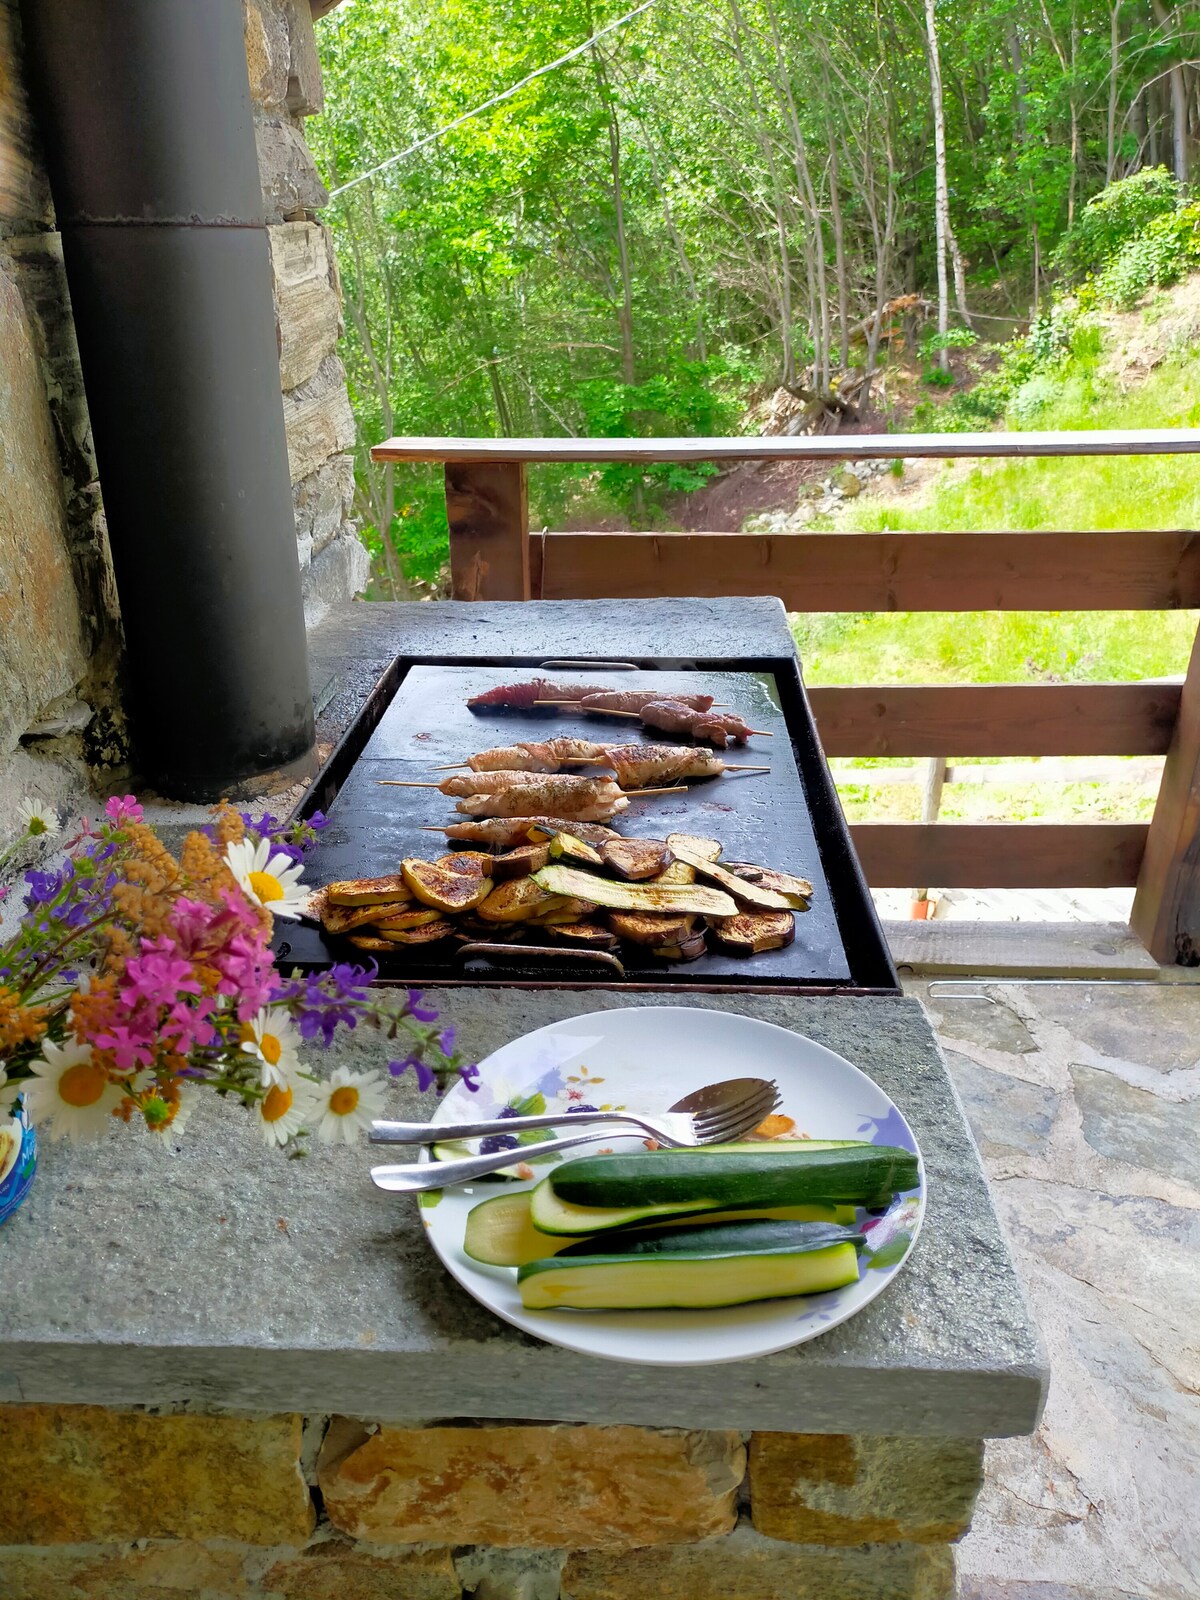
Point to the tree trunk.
(1179, 105)
(1114, 64)
(941, 189)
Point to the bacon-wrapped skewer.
(636, 699)
(523, 696)
(638, 765)
(547, 755)
(715, 727)
(509, 832)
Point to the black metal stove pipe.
(144, 109)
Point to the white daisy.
(37, 817)
(282, 1112)
(274, 1043)
(270, 880)
(70, 1093)
(349, 1103)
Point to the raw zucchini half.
(501, 1232)
(738, 1265)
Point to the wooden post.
(487, 506)
(932, 783)
(1166, 907)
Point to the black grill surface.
(760, 817)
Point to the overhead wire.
(496, 99)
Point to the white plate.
(648, 1057)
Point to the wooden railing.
(495, 557)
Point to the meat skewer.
(629, 702)
(507, 794)
(523, 696)
(509, 832)
(529, 756)
(639, 764)
(672, 716)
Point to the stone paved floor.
(1085, 1101)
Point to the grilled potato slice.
(444, 888)
(368, 891)
(641, 927)
(342, 919)
(575, 852)
(636, 859)
(518, 863)
(748, 935)
(751, 894)
(373, 943)
(470, 862)
(709, 849)
(585, 933)
(689, 950)
(429, 933)
(518, 901)
(678, 872)
(406, 919)
(695, 898)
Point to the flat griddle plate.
(761, 817)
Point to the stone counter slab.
(229, 1278)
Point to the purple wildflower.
(417, 1009)
(470, 1076)
(446, 1040)
(426, 1076)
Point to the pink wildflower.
(121, 809)
(159, 976)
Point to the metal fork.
(716, 1114)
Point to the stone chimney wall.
(60, 636)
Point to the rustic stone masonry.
(60, 637)
(125, 1505)
(285, 85)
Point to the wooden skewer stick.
(579, 705)
(452, 766)
(679, 788)
(733, 766)
(404, 783)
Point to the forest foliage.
(721, 197)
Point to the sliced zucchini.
(502, 1233)
(705, 1179)
(566, 847)
(751, 894)
(733, 1266)
(711, 1238)
(699, 900)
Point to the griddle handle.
(557, 954)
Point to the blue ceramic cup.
(18, 1160)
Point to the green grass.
(1014, 647)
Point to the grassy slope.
(990, 647)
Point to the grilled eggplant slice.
(343, 919)
(636, 859)
(695, 845)
(567, 910)
(518, 863)
(641, 927)
(473, 863)
(368, 891)
(786, 883)
(698, 899)
(518, 901)
(590, 934)
(444, 888)
(594, 833)
(430, 933)
(748, 935)
(678, 872)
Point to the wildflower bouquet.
(135, 982)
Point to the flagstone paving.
(1085, 1102)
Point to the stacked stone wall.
(60, 636)
(112, 1505)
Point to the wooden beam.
(954, 948)
(1000, 855)
(1166, 908)
(997, 719)
(852, 447)
(885, 571)
(487, 507)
